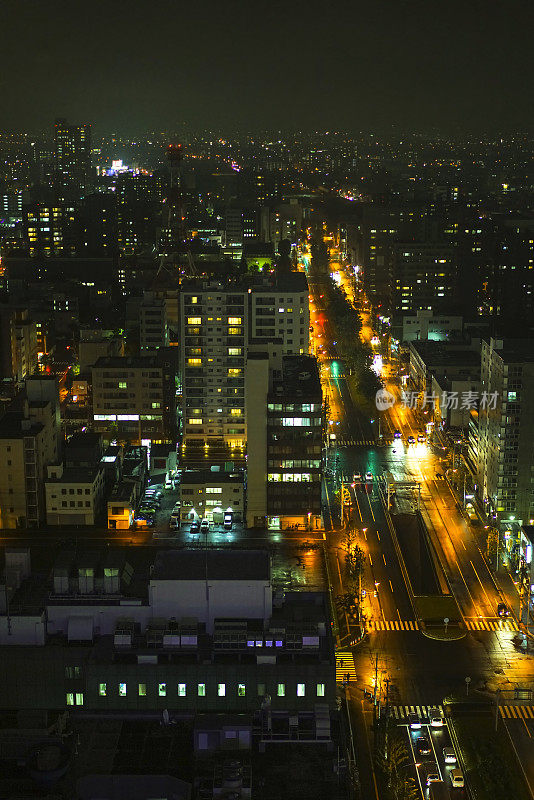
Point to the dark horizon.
(356, 67)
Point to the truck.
(389, 482)
(439, 791)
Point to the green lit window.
(102, 688)
(281, 692)
(162, 689)
(182, 690)
(70, 699)
(141, 690)
(123, 385)
(122, 690)
(301, 689)
(241, 690)
(202, 690)
(320, 690)
(79, 698)
(221, 689)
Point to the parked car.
(195, 527)
(205, 526)
(174, 520)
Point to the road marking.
(384, 557)
(378, 536)
(391, 587)
(370, 560)
(393, 625)
(481, 584)
(493, 625)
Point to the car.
(204, 526)
(421, 438)
(397, 435)
(169, 483)
(174, 522)
(503, 610)
(414, 722)
(368, 476)
(432, 777)
(422, 746)
(435, 718)
(457, 779)
(195, 527)
(152, 500)
(449, 756)
(411, 440)
(357, 477)
(154, 494)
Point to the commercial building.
(424, 275)
(134, 398)
(210, 494)
(18, 343)
(506, 432)
(74, 495)
(135, 631)
(284, 462)
(153, 327)
(221, 323)
(72, 155)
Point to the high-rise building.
(18, 343)
(153, 328)
(220, 325)
(505, 430)
(72, 155)
(424, 276)
(49, 229)
(139, 204)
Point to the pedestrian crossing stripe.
(423, 712)
(517, 712)
(345, 666)
(358, 442)
(491, 625)
(393, 625)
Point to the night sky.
(138, 65)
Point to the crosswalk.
(393, 625)
(345, 666)
(517, 712)
(358, 442)
(403, 712)
(491, 625)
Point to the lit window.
(221, 689)
(234, 351)
(194, 421)
(234, 320)
(234, 331)
(122, 690)
(102, 688)
(234, 372)
(193, 362)
(123, 385)
(281, 692)
(194, 300)
(181, 690)
(79, 698)
(236, 412)
(70, 699)
(201, 690)
(194, 320)
(141, 690)
(213, 490)
(241, 690)
(162, 690)
(320, 690)
(156, 405)
(301, 689)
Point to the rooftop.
(300, 379)
(194, 565)
(14, 425)
(443, 354)
(211, 476)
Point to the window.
(234, 331)
(79, 698)
(194, 320)
(102, 688)
(122, 690)
(213, 490)
(281, 691)
(162, 690)
(181, 690)
(233, 372)
(141, 690)
(201, 690)
(234, 351)
(236, 412)
(221, 689)
(234, 320)
(194, 421)
(320, 690)
(72, 672)
(123, 385)
(261, 690)
(156, 405)
(70, 699)
(194, 362)
(301, 689)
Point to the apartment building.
(211, 494)
(28, 443)
(18, 343)
(153, 327)
(74, 495)
(134, 399)
(505, 431)
(220, 324)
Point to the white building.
(74, 495)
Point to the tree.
(346, 602)
(355, 562)
(395, 763)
